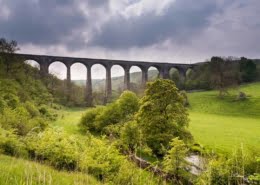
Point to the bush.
(10, 144)
(104, 119)
(233, 169)
(31, 108)
(11, 100)
(88, 120)
(101, 159)
(56, 147)
(241, 96)
(174, 161)
(129, 174)
(131, 136)
(20, 120)
(186, 102)
(128, 103)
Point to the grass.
(224, 124)
(22, 172)
(69, 118)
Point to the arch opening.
(78, 86)
(117, 75)
(189, 74)
(78, 74)
(58, 69)
(33, 64)
(98, 76)
(153, 73)
(136, 79)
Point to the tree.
(162, 115)
(223, 74)
(8, 47)
(248, 70)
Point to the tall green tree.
(162, 115)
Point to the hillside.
(224, 124)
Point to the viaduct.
(163, 68)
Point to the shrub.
(100, 119)
(11, 100)
(174, 161)
(56, 147)
(101, 159)
(43, 110)
(10, 144)
(131, 136)
(128, 103)
(20, 120)
(2, 105)
(110, 115)
(31, 108)
(88, 120)
(231, 169)
(186, 102)
(129, 174)
(241, 96)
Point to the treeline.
(221, 73)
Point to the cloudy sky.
(164, 31)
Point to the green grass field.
(225, 124)
(19, 172)
(69, 118)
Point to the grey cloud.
(41, 22)
(98, 2)
(182, 20)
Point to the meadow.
(227, 123)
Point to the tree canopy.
(162, 115)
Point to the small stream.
(197, 164)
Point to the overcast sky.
(150, 30)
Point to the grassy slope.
(17, 172)
(224, 124)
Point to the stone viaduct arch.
(163, 68)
